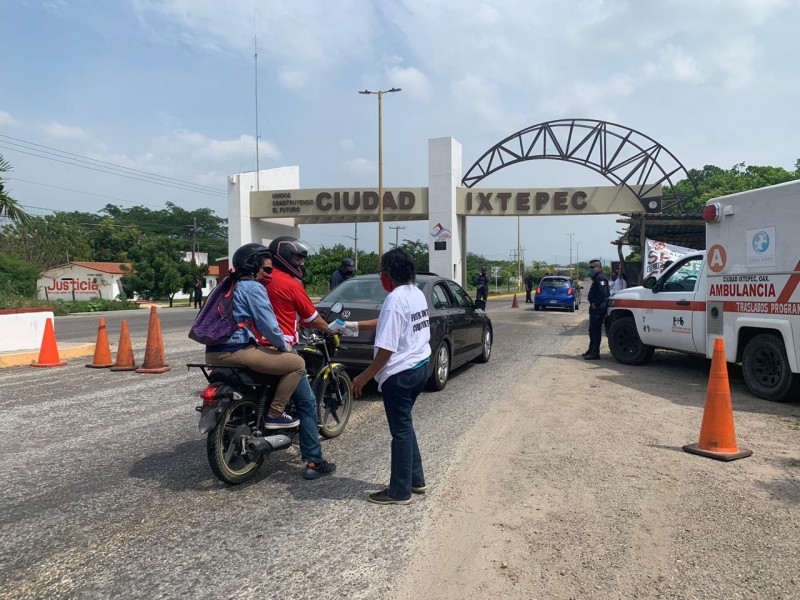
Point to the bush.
(10, 299)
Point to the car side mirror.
(650, 282)
(336, 308)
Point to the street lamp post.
(380, 94)
(577, 260)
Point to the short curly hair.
(397, 263)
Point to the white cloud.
(347, 144)
(292, 78)
(64, 132)
(360, 166)
(6, 119)
(411, 81)
(674, 64)
(200, 146)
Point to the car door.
(668, 307)
(464, 326)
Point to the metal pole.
(577, 260)
(380, 174)
(570, 253)
(356, 242)
(519, 255)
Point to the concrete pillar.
(242, 229)
(444, 226)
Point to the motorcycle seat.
(241, 374)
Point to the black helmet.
(248, 259)
(283, 248)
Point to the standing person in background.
(294, 308)
(528, 289)
(197, 291)
(344, 272)
(598, 305)
(401, 355)
(617, 282)
(482, 285)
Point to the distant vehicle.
(460, 332)
(557, 292)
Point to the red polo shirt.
(291, 304)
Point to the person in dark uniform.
(343, 273)
(528, 289)
(598, 305)
(482, 285)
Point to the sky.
(166, 89)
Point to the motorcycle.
(236, 400)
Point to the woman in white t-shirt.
(402, 352)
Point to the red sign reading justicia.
(72, 285)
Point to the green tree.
(713, 181)
(9, 207)
(16, 278)
(159, 270)
(44, 242)
(114, 243)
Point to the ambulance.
(742, 288)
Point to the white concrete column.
(243, 229)
(444, 226)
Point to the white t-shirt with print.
(403, 329)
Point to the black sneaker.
(587, 353)
(315, 470)
(383, 497)
(284, 421)
(419, 489)
(592, 357)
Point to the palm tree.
(8, 206)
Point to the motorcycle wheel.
(227, 457)
(332, 415)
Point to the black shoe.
(418, 488)
(383, 497)
(315, 470)
(592, 357)
(587, 353)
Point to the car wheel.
(486, 347)
(441, 368)
(572, 308)
(766, 368)
(625, 344)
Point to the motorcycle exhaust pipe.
(262, 445)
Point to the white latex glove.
(350, 329)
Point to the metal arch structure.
(624, 156)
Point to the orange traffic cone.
(154, 350)
(125, 360)
(717, 435)
(514, 303)
(48, 353)
(102, 351)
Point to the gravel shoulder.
(575, 486)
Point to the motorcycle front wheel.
(225, 444)
(333, 414)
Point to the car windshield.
(369, 291)
(556, 283)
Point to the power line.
(112, 170)
(77, 192)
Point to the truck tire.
(766, 368)
(625, 344)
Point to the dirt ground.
(575, 486)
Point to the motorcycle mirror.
(336, 308)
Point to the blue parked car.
(557, 292)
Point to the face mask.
(386, 282)
(613, 278)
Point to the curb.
(23, 359)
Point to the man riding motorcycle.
(293, 307)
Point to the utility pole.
(194, 238)
(577, 260)
(570, 253)
(396, 234)
(355, 241)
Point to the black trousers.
(528, 296)
(596, 316)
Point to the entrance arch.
(622, 155)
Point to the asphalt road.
(107, 491)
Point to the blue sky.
(166, 87)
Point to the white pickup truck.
(742, 288)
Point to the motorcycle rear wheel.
(332, 415)
(226, 455)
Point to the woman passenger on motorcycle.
(258, 327)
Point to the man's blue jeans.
(306, 404)
(400, 391)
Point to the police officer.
(482, 285)
(344, 272)
(598, 305)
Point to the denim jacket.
(251, 305)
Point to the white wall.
(22, 330)
(444, 176)
(73, 282)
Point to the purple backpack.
(215, 323)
